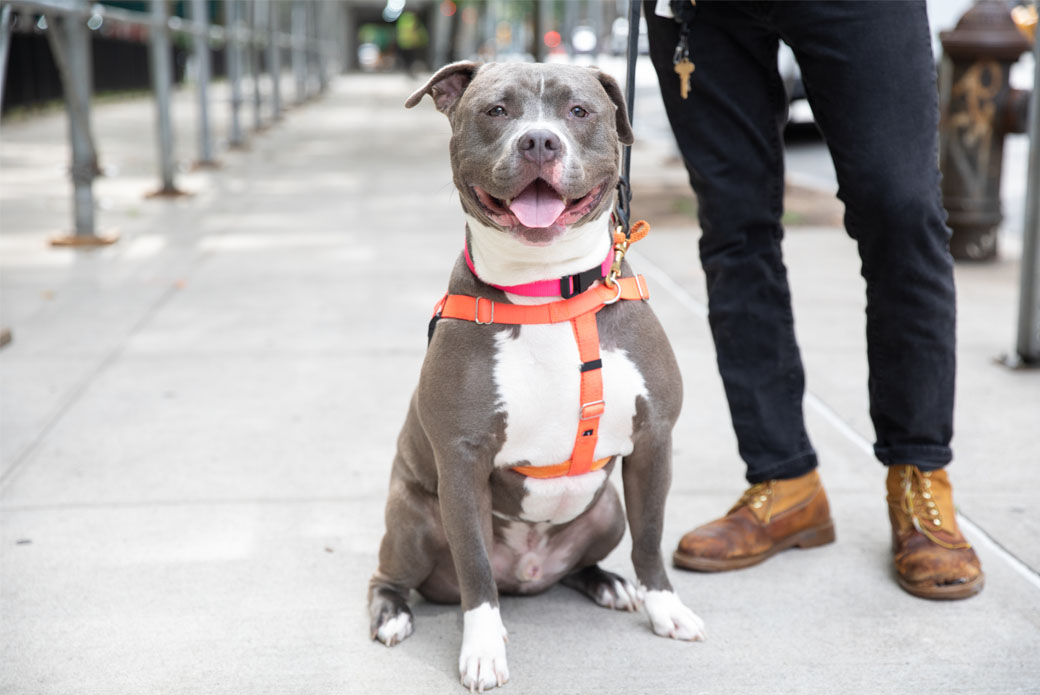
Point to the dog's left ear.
(624, 128)
(446, 86)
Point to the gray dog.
(535, 154)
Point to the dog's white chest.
(538, 379)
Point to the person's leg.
(729, 133)
(869, 74)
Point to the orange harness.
(581, 311)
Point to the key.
(684, 68)
(681, 60)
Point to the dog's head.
(534, 147)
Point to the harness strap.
(586, 334)
(581, 312)
(557, 470)
(483, 310)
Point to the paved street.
(197, 425)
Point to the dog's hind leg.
(605, 588)
(408, 554)
(391, 618)
(604, 525)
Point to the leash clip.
(623, 238)
(620, 249)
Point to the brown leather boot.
(768, 518)
(932, 558)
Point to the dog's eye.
(496, 111)
(579, 112)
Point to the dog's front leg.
(646, 474)
(465, 500)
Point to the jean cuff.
(794, 467)
(927, 458)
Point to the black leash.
(621, 219)
(622, 211)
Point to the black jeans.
(868, 72)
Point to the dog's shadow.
(537, 625)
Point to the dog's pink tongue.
(537, 206)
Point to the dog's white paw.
(395, 629)
(670, 618)
(621, 595)
(482, 661)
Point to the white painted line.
(698, 308)
(980, 537)
(831, 416)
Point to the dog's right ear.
(446, 86)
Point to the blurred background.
(237, 47)
(221, 235)
(370, 36)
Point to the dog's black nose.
(539, 146)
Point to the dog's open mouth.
(538, 206)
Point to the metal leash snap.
(620, 249)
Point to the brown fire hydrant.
(978, 109)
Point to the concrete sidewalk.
(198, 424)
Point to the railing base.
(83, 240)
(1017, 362)
(172, 192)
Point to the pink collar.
(566, 286)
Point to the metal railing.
(1027, 345)
(253, 28)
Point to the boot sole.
(809, 538)
(944, 592)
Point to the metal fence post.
(321, 23)
(5, 46)
(234, 68)
(350, 48)
(200, 19)
(299, 55)
(1028, 343)
(489, 21)
(339, 29)
(253, 61)
(70, 45)
(274, 57)
(259, 51)
(162, 70)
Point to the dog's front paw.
(482, 661)
(670, 618)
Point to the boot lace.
(918, 502)
(756, 497)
